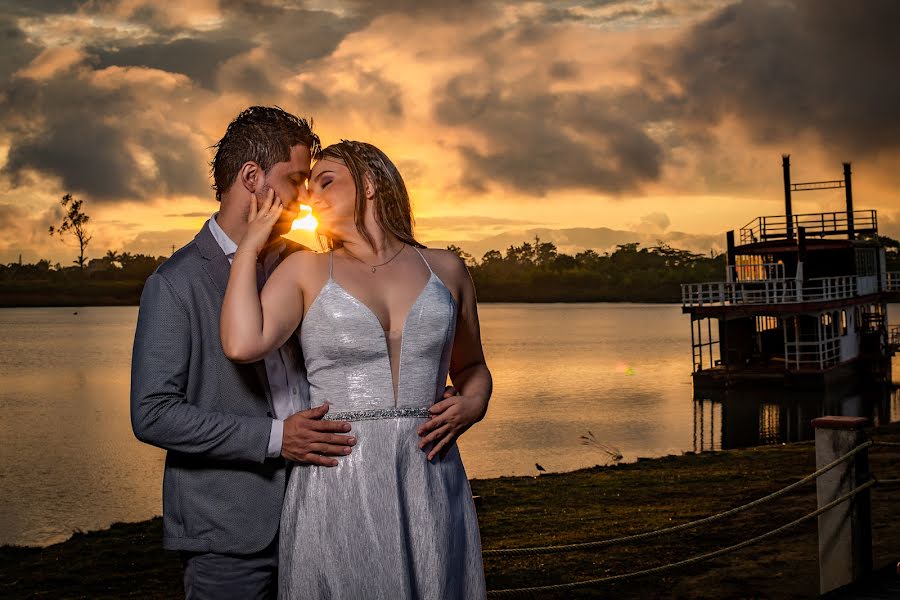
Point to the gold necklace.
(374, 267)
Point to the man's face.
(288, 179)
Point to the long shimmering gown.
(385, 523)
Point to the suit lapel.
(218, 269)
(216, 266)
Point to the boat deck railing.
(775, 227)
(768, 291)
(815, 353)
(892, 281)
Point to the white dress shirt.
(286, 386)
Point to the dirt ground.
(604, 502)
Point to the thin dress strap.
(423, 258)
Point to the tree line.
(535, 271)
(114, 266)
(531, 272)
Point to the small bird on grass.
(540, 468)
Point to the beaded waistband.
(377, 413)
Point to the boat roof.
(812, 244)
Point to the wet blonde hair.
(393, 210)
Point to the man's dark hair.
(262, 134)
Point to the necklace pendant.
(373, 269)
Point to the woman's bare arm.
(253, 324)
(468, 369)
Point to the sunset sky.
(632, 119)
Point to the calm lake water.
(69, 461)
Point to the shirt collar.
(270, 254)
(225, 243)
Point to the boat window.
(865, 262)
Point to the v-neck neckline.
(372, 312)
(396, 389)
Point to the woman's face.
(332, 197)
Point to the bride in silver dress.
(382, 321)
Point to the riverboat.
(803, 303)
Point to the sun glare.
(305, 220)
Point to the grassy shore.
(590, 504)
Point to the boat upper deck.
(821, 225)
(848, 269)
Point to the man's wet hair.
(262, 134)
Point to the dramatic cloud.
(198, 59)
(822, 67)
(25, 231)
(15, 49)
(627, 113)
(102, 133)
(11, 215)
(40, 8)
(655, 222)
(536, 142)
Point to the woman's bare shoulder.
(306, 264)
(447, 264)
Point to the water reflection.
(618, 373)
(755, 416)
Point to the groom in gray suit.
(231, 430)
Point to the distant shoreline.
(127, 559)
(128, 293)
(78, 304)
(32, 294)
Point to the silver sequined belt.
(377, 413)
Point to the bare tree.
(74, 223)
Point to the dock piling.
(845, 531)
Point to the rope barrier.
(669, 530)
(514, 592)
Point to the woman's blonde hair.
(393, 210)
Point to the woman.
(382, 322)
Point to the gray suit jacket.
(220, 492)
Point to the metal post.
(848, 188)
(845, 531)
(788, 212)
(693, 348)
(702, 430)
(729, 256)
(695, 419)
(801, 260)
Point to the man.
(229, 429)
